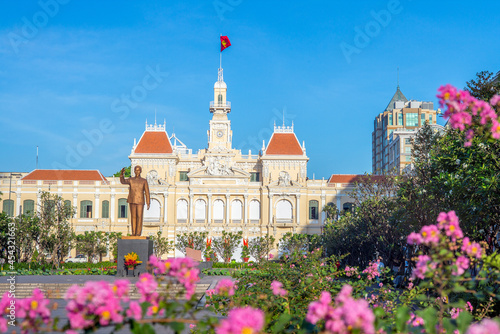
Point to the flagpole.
(220, 55)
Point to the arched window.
(8, 207)
(236, 211)
(29, 207)
(218, 210)
(86, 209)
(200, 209)
(122, 208)
(313, 209)
(105, 209)
(254, 210)
(154, 212)
(182, 211)
(348, 207)
(219, 99)
(284, 210)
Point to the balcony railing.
(217, 104)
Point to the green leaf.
(177, 327)
(283, 320)
(430, 319)
(463, 321)
(402, 316)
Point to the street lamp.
(10, 189)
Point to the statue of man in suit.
(138, 188)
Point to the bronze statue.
(138, 188)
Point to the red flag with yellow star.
(224, 43)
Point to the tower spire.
(398, 76)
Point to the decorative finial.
(398, 76)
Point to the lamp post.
(10, 189)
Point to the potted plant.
(245, 253)
(131, 261)
(208, 250)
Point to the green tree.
(161, 245)
(226, 245)
(296, 244)
(128, 172)
(56, 232)
(332, 212)
(113, 243)
(260, 247)
(27, 241)
(93, 244)
(194, 240)
(483, 87)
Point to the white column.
(112, 206)
(209, 214)
(338, 202)
(96, 208)
(18, 204)
(227, 210)
(298, 208)
(75, 204)
(245, 210)
(323, 213)
(191, 208)
(165, 207)
(270, 209)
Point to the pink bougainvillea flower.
(421, 267)
(487, 326)
(449, 222)
(134, 311)
(318, 310)
(95, 302)
(225, 287)
(32, 309)
(147, 285)
(462, 264)
(245, 320)
(430, 234)
(414, 238)
(372, 270)
(495, 101)
(277, 288)
(120, 289)
(472, 248)
(495, 129)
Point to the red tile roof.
(351, 178)
(284, 144)
(154, 142)
(65, 174)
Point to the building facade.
(214, 189)
(401, 118)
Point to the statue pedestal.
(142, 246)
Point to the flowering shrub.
(469, 114)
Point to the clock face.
(220, 134)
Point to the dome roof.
(220, 84)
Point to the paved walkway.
(54, 288)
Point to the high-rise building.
(393, 129)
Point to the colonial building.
(214, 189)
(393, 130)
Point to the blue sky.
(66, 69)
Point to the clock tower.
(220, 135)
